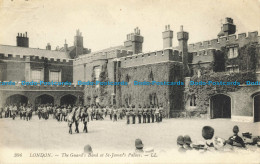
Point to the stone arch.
(17, 99)
(68, 99)
(44, 99)
(220, 106)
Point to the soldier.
(153, 113)
(70, 118)
(63, 113)
(39, 111)
(127, 115)
(157, 114)
(110, 112)
(28, 111)
(24, 111)
(14, 112)
(6, 111)
(139, 113)
(58, 113)
(161, 113)
(85, 119)
(77, 118)
(144, 114)
(115, 113)
(135, 113)
(148, 114)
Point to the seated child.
(207, 134)
(187, 142)
(139, 146)
(180, 143)
(236, 140)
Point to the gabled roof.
(25, 51)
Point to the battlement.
(154, 57)
(240, 39)
(102, 55)
(19, 87)
(34, 58)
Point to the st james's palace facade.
(229, 57)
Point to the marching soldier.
(153, 113)
(127, 115)
(70, 118)
(144, 114)
(148, 114)
(110, 112)
(160, 113)
(77, 118)
(157, 114)
(115, 113)
(135, 113)
(139, 113)
(85, 119)
(63, 113)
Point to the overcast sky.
(105, 23)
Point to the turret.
(134, 41)
(167, 37)
(48, 47)
(183, 38)
(22, 40)
(78, 43)
(228, 27)
(65, 46)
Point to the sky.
(105, 23)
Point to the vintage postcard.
(129, 81)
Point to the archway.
(220, 106)
(44, 99)
(17, 99)
(68, 100)
(257, 108)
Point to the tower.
(183, 38)
(134, 41)
(228, 27)
(22, 40)
(167, 37)
(78, 43)
(65, 46)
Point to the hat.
(187, 139)
(88, 149)
(235, 129)
(139, 143)
(207, 132)
(180, 140)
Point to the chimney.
(48, 47)
(22, 40)
(167, 37)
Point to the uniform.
(64, 114)
(157, 112)
(148, 115)
(139, 115)
(152, 114)
(127, 116)
(85, 119)
(70, 118)
(144, 115)
(77, 118)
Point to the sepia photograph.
(134, 81)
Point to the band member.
(153, 113)
(144, 114)
(139, 113)
(70, 118)
(148, 115)
(77, 118)
(85, 119)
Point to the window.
(233, 69)
(233, 52)
(36, 75)
(55, 76)
(199, 72)
(193, 100)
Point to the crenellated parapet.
(102, 55)
(154, 57)
(19, 87)
(35, 58)
(240, 40)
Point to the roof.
(25, 51)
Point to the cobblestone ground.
(108, 135)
